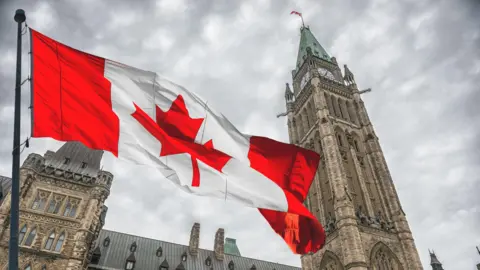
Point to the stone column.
(348, 233)
(290, 132)
(317, 186)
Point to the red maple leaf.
(176, 130)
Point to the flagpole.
(15, 196)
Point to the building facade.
(62, 214)
(353, 194)
(62, 208)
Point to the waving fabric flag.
(296, 13)
(141, 117)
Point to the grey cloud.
(420, 57)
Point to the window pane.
(55, 203)
(40, 200)
(59, 244)
(49, 243)
(22, 233)
(71, 207)
(31, 237)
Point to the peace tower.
(353, 194)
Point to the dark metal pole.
(15, 204)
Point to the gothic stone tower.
(353, 194)
(61, 208)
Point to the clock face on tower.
(326, 73)
(304, 80)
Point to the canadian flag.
(142, 117)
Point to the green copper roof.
(307, 39)
(231, 247)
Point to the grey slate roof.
(77, 153)
(114, 256)
(5, 186)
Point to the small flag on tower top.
(296, 13)
(299, 14)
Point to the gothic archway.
(330, 261)
(383, 258)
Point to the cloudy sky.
(421, 58)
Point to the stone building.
(353, 194)
(62, 214)
(62, 208)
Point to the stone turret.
(194, 239)
(219, 245)
(434, 262)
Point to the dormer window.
(231, 265)
(184, 257)
(84, 165)
(208, 262)
(133, 247)
(96, 256)
(129, 265)
(159, 252)
(106, 242)
(164, 265)
(66, 161)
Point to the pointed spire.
(434, 262)
(308, 42)
(348, 77)
(288, 93)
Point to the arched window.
(355, 143)
(22, 233)
(339, 140)
(40, 200)
(49, 243)
(383, 258)
(31, 237)
(60, 241)
(55, 203)
(71, 207)
(334, 105)
(340, 108)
